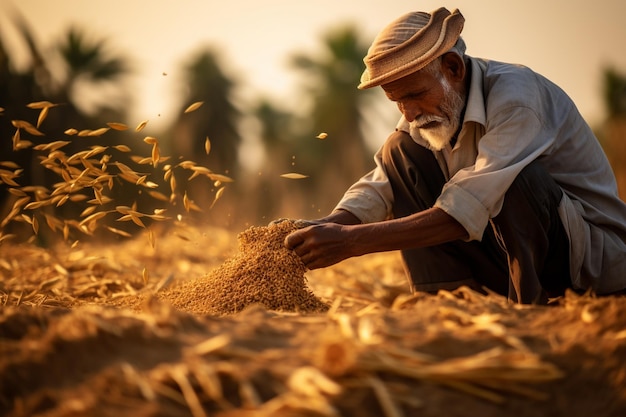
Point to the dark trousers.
(524, 255)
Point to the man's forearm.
(427, 228)
(337, 237)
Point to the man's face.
(430, 104)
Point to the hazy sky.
(570, 41)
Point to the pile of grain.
(262, 272)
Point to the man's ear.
(453, 66)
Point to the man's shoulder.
(513, 84)
(498, 71)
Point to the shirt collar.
(475, 109)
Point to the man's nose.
(410, 110)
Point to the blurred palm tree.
(336, 106)
(275, 127)
(614, 93)
(17, 89)
(91, 90)
(272, 195)
(85, 66)
(88, 65)
(614, 129)
(89, 86)
(217, 120)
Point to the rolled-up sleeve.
(473, 216)
(370, 199)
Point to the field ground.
(81, 335)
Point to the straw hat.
(409, 44)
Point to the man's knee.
(531, 229)
(396, 143)
(537, 186)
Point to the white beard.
(439, 136)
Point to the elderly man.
(491, 179)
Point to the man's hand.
(321, 245)
(339, 236)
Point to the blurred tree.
(613, 133)
(217, 119)
(17, 89)
(91, 88)
(614, 93)
(272, 194)
(39, 82)
(275, 128)
(330, 80)
(88, 66)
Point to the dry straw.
(263, 272)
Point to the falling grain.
(218, 195)
(5, 237)
(42, 116)
(294, 176)
(22, 124)
(9, 164)
(151, 239)
(219, 177)
(98, 132)
(186, 202)
(193, 107)
(38, 105)
(141, 125)
(117, 126)
(118, 231)
(52, 146)
(158, 196)
(122, 148)
(156, 153)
